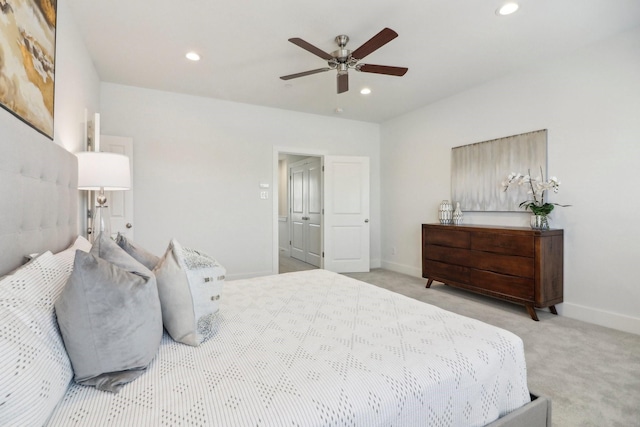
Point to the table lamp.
(99, 171)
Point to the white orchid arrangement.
(537, 188)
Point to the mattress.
(316, 348)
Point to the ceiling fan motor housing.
(341, 57)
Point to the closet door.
(306, 211)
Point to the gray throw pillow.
(140, 254)
(109, 316)
(189, 283)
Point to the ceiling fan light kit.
(344, 59)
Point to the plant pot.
(539, 222)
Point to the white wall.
(199, 163)
(77, 88)
(77, 83)
(590, 103)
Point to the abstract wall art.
(27, 61)
(478, 170)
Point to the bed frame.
(38, 199)
(39, 212)
(534, 414)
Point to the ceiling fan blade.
(305, 73)
(382, 69)
(343, 82)
(374, 43)
(311, 48)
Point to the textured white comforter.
(316, 348)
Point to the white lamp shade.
(109, 171)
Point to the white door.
(305, 177)
(346, 220)
(120, 202)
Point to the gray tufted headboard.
(38, 199)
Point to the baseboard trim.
(401, 268)
(604, 318)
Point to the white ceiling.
(448, 46)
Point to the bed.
(300, 349)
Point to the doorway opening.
(343, 228)
(299, 212)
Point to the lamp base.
(101, 222)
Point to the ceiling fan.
(343, 59)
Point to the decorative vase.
(539, 222)
(445, 212)
(457, 215)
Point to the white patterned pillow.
(35, 370)
(189, 285)
(65, 258)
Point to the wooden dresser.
(516, 264)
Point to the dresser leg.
(552, 309)
(429, 282)
(532, 312)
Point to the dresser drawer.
(448, 255)
(507, 286)
(504, 264)
(509, 244)
(443, 272)
(446, 237)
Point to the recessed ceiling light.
(507, 9)
(193, 56)
(365, 91)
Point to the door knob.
(128, 225)
(366, 220)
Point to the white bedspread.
(316, 348)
